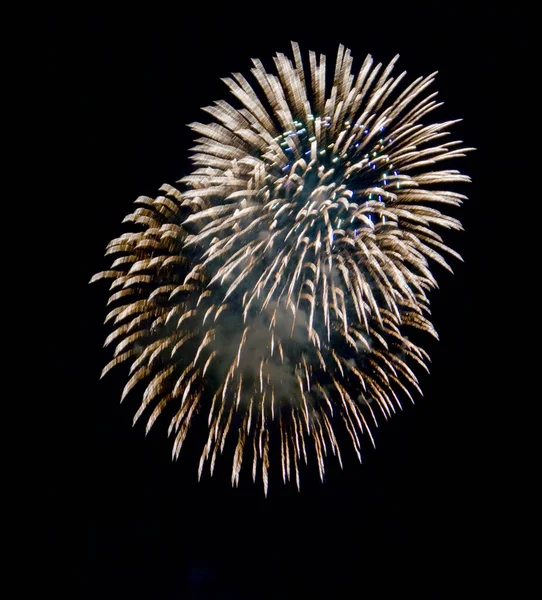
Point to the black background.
(123, 521)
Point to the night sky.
(123, 521)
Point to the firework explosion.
(273, 296)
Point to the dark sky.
(123, 521)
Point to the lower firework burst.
(275, 293)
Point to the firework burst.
(273, 296)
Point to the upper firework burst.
(274, 294)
